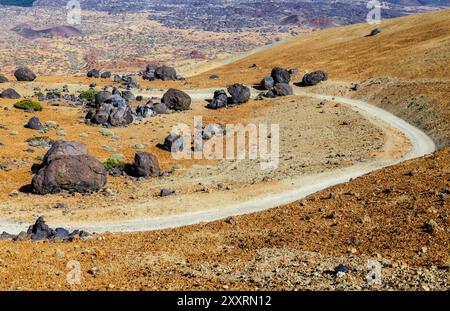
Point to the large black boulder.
(220, 100)
(160, 108)
(282, 89)
(166, 73)
(146, 110)
(239, 93)
(24, 74)
(281, 75)
(3, 79)
(176, 100)
(114, 111)
(81, 174)
(174, 143)
(145, 165)
(105, 75)
(34, 124)
(10, 94)
(63, 148)
(101, 97)
(267, 83)
(128, 96)
(40, 230)
(93, 73)
(314, 78)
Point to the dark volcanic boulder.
(314, 78)
(117, 78)
(267, 83)
(128, 95)
(282, 89)
(146, 110)
(239, 93)
(166, 73)
(10, 93)
(3, 79)
(375, 32)
(24, 74)
(280, 75)
(35, 124)
(121, 116)
(160, 108)
(105, 75)
(174, 143)
(63, 148)
(93, 73)
(145, 165)
(82, 174)
(40, 230)
(114, 111)
(220, 100)
(102, 97)
(176, 100)
(148, 75)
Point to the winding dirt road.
(296, 190)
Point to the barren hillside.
(405, 69)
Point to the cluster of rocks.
(165, 73)
(150, 109)
(111, 109)
(277, 83)
(95, 73)
(114, 109)
(127, 80)
(239, 94)
(67, 166)
(41, 231)
(176, 143)
(56, 95)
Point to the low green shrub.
(29, 104)
(88, 95)
(115, 161)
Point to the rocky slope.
(405, 69)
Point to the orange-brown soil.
(382, 216)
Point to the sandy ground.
(316, 136)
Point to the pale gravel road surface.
(421, 145)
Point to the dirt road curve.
(421, 145)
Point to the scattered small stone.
(106, 132)
(94, 271)
(51, 124)
(59, 253)
(14, 193)
(166, 192)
